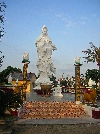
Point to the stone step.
(52, 110)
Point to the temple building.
(13, 77)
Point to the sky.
(72, 25)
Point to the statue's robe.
(44, 46)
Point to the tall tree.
(2, 20)
(93, 54)
(6, 72)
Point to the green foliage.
(94, 74)
(66, 83)
(63, 83)
(53, 78)
(6, 72)
(9, 100)
(91, 53)
(1, 59)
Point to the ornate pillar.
(25, 67)
(24, 87)
(77, 82)
(77, 79)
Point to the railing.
(69, 89)
(6, 88)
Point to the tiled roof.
(19, 76)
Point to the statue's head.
(44, 29)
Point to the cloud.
(83, 22)
(85, 18)
(64, 32)
(59, 15)
(98, 20)
(69, 22)
(94, 15)
(67, 19)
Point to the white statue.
(44, 44)
(77, 60)
(10, 78)
(57, 91)
(91, 83)
(26, 56)
(44, 64)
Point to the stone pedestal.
(57, 91)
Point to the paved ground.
(58, 121)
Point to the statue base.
(57, 92)
(42, 80)
(37, 86)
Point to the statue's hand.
(45, 49)
(54, 48)
(54, 71)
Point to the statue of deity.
(44, 44)
(44, 48)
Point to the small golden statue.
(90, 97)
